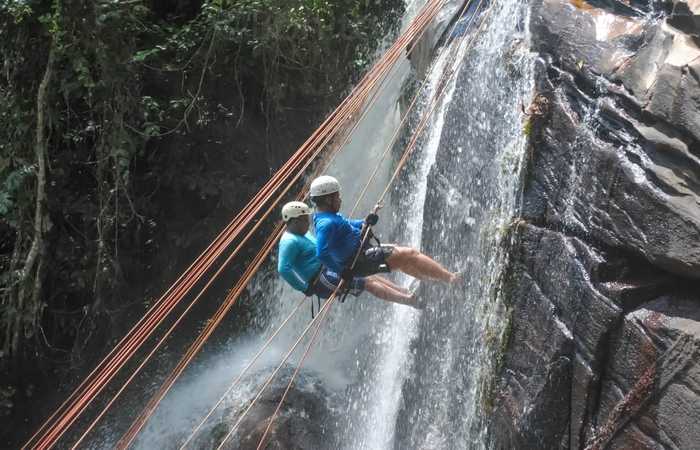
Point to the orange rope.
(137, 425)
(321, 313)
(142, 330)
(402, 162)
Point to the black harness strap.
(370, 235)
(374, 236)
(312, 282)
(343, 296)
(318, 299)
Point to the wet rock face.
(300, 425)
(619, 156)
(656, 355)
(603, 281)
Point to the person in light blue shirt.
(297, 263)
(299, 266)
(339, 241)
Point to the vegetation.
(104, 106)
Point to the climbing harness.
(401, 162)
(330, 300)
(64, 417)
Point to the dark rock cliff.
(603, 284)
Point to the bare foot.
(457, 277)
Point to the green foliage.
(13, 182)
(129, 78)
(528, 127)
(18, 10)
(297, 46)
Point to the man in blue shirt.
(339, 240)
(299, 266)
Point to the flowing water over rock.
(599, 272)
(603, 281)
(382, 375)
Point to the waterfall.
(426, 378)
(381, 398)
(396, 377)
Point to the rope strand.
(366, 229)
(54, 427)
(128, 438)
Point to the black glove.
(347, 275)
(372, 219)
(309, 290)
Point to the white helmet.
(324, 185)
(295, 209)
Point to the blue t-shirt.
(337, 239)
(297, 262)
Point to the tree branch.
(36, 249)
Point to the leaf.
(141, 55)
(151, 130)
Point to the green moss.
(528, 127)
(500, 343)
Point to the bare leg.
(391, 284)
(385, 292)
(412, 262)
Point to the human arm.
(356, 223)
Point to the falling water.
(423, 384)
(381, 399)
(396, 376)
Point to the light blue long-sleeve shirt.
(297, 262)
(337, 239)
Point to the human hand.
(372, 219)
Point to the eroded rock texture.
(604, 350)
(306, 419)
